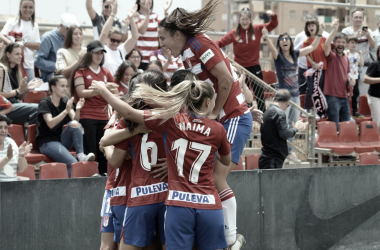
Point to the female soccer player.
(192, 141)
(181, 33)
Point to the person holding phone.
(365, 41)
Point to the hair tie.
(193, 85)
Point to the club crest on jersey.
(106, 220)
(148, 190)
(194, 127)
(207, 56)
(191, 197)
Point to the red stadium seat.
(53, 170)
(369, 134)
(328, 138)
(252, 161)
(84, 169)
(368, 159)
(34, 156)
(17, 133)
(34, 96)
(269, 76)
(29, 172)
(363, 110)
(348, 136)
(239, 166)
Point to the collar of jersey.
(193, 115)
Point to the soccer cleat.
(238, 243)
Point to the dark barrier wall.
(322, 208)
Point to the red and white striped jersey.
(175, 65)
(148, 42)
(200, 55)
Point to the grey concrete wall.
(322, 208)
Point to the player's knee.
(74, 124)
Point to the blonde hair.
(189, 95)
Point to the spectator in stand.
(246, 38)
(123, 75)
(135, 57)
(314, 59)
(12, 158)
(365, 42)
(372, 78)
(302, 62)
(156, 65)
(14, 87)
(98, 21)
(376, 37)
(275, 132)
(169, 63)
(111, 40)
(24, 30)
(356, 60)
(94, 114)
(5, 106)
(148, 29)
(71, 53)
(337, 71)
(285, 60)
(51, 42)
(54, 112)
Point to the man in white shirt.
(376, 37)
(302, 64)
(365, 42)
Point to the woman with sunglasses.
(286, 62)
(246, 39)
(148, 40)
(24, 30)
(182, 32)
(14, 87)
(98, 21)
(111, 39)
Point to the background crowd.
(126, 43)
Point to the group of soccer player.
(197, 127)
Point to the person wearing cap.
(51, 42)
(94, 115)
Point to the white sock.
(229, 214)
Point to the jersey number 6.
(181, 146)
(144, 158)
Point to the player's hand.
(69, 105)
(257, 115)
(113, 88)
(162, 169)
(145, 8)
(131, 14)
(317, 66)
(98, 87)
(114, 7)
(22, 88)
(9, 152)
(24, 149)
(270, 13)
(264, 31)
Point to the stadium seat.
(84, 169)
(328, 138)
(252, 161)
(269, 76)
(369, 134)
(239, 166)
(34, 156)
(17, 133)
(363, 110)
(34, 96)
(348, 136)
(368, 159)
(29, 172)
(53, 170)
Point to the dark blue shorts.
(142, 222)
(106, 214)
(238, 131)
(118, 218)
(183, 225)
